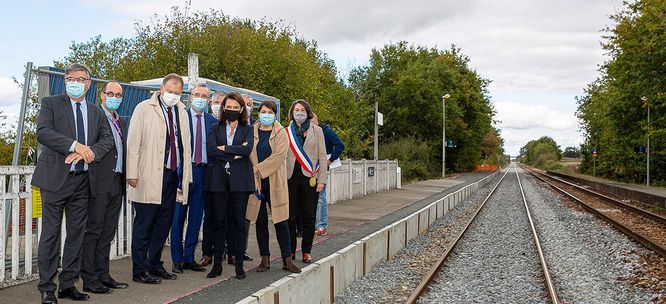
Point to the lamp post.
(645, 100)
(444, 134)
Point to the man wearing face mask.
(74, 136)
(157, 148)
(200, 123)
(249, 106)
(103, 211)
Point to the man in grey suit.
(73, 134)
(103, 210)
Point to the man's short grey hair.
(76, 67)
(218, 93)
(247, 96)
(202, 85)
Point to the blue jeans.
(322, 211)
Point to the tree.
(542, 153)
(571, 152)
(613, 116)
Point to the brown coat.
(315, 148)
(145, 151)
(274, 167)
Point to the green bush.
(414, 158)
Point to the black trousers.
(218, 204)
(303, 202)
(208, 228)
(151, 226)
(281, 228)
(71, 199)
(103, 212)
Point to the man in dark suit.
(103, 210)
(200, 124)
(73, 134)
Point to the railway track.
(645, 227)
(428, 279)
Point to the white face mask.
(215, 108)
(170, 99)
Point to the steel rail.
(430, 276)
(550, 286)
(644, 240)
(653, 216)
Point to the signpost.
(594, 158)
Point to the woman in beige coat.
(270, 174)
(306, 170)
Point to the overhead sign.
(380, 119)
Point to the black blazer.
(56, 130)
(240, 171)
(105, 169)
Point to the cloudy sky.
(539, 54)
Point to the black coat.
(105, 169)
(240, 171)
(56, 131)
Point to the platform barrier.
(322, 280)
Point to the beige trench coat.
(275, 168)
(315, 148)
(145, 151)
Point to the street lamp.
(645, 100)
(444, 134)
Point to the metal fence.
(18, 258)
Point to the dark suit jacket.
(209, 120)
(105, 169)
(56, 130)
(240, 171)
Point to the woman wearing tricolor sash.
(306, 172)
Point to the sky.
(539, 54)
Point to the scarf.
(301, 131)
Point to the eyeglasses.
(111, 94)
(199, 95)
(77, 79)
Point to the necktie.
(172, 143)
(197, 142)
(116, 124)
(80, 134)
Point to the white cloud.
(514, 115)
(10, 93)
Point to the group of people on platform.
(176, 165)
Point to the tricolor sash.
(300, 154)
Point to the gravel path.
(393, 280)
(589, 261)
(496, 260)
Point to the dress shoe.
(265, 264)
(194, 267)
(164, 274)
(215, 272)
(72, 294)
(146, 278)
(307, 258)
(206, 260)
(177, 268)
(288, 264)
(49, 298)
(247, 258)
(111, 283)
(97, 288)
(240, 272)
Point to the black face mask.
(231, 115)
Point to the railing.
(19, 231)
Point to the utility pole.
(444, 134)
(645, 100)
(376, 152)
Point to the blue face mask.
(198, 104)
(113, 103)
(75, 89)
(266, 119)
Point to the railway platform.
(349, 221)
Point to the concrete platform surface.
(658, 191)
(349, 221)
